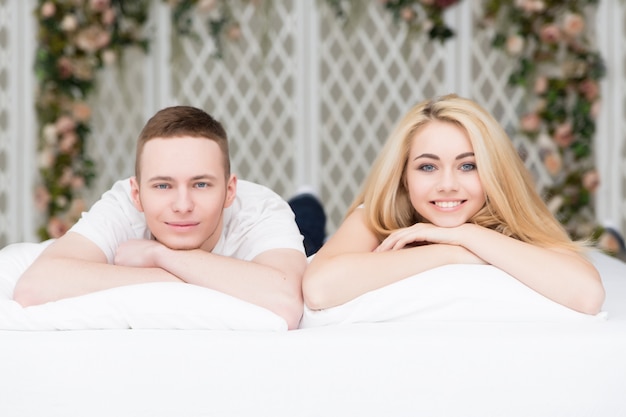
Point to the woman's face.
(442, 176)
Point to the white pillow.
(448, 293)
(142, 306)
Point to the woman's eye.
(426, 168)
(469, 166)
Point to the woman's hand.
(418, 234)
(427, 233)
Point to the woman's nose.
(448, 181)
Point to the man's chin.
(180, 245)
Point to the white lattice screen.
(307, 100)
(5, 104)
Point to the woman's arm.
(563, 276)
(347, 265)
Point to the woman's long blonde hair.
(513, 207)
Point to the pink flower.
(46, 158)
(442, 4)
(68, 142)
(65, 124)
(42, 198)
(234, 32)
(407, 14)
(553, 163)
(573, 24)
(530, 122)
(108, 17)
(99, 5)
(590, 89)
(109, 57)
(206, 6)
(550, 34)
(69, 23)
(591, 180)
(595, 109)
(48, 9)
(92, 39)
(514, 45)
(541, 85)
(530, 6)
(64, 67)
(49, 133)
(81, 111)
(563, 135)
(57, 227)
(78, 183)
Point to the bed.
(452, 351)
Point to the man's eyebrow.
(160, 178)
(194, 178)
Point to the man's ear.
(231, 190)
(134, 193)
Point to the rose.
(591, 180)
(573, 24)
(514, 45)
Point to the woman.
(449, 187)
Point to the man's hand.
(139, 253)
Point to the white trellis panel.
(17, 131)
(306, 100)
(117, 118)
(251, 91)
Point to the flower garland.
(420, 16)
(75, 38)
(555, 63)
(560, 70)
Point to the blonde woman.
(449, 188)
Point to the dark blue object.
(311, 220)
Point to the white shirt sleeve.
(258, 220)
(112, 220)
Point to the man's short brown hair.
(183, 121)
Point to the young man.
(183, 217)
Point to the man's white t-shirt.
(258, 220)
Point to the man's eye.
(161, 186)
(202, 184)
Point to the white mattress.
(425, 367)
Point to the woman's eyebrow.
(427, 155)
(465, 155)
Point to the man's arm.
(271, 280)
(72, 266)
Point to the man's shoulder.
(251, 190)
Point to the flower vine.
(420, 16)
(75, 39)
(560, 70)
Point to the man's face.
(183, 191)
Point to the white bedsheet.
(421, 368)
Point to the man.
(183, 217)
